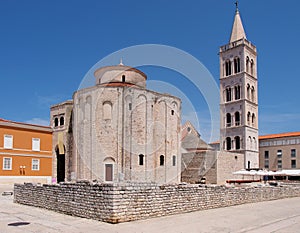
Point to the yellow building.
(25, 152)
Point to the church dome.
(120, 75)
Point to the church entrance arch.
(60, 162)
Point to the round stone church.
(117, 130)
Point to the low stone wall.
(116, 203)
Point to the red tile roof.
(280, 135)
(21, 123)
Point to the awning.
(294, 172)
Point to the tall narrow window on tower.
(228, 143)
(228, 67)
(228, 119)
(237, 143)
(247, 64)
(237, 65)
(248, 91)
(228, 94)
(237, 118)
(237, 92)
(253, 119)
(252, 67)
(248, 118)
(252, 94)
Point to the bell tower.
(238, 95)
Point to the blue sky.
(47, 47)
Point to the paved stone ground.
(273, 216)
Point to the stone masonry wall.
(116, 203)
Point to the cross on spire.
(237, 4)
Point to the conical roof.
(237, 31)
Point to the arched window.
(174, 160)
(172, 112)
(252, 66)
(228, 67)
(253, 119)
(248, 91)
(123, 78)
(55, 122)
(237, 92)
(252, 94)
(141, 159)
(237, 118)
(161, 160)
(247, 64)
(250, 142)
(228, 119)
(237, 65)
(248, 118)
(228, 143)
(237, 143)
(254, 143)
(130, 106)
(107, 111)
(62, 121)
(228, 94)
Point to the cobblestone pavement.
(273, 216)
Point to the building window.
(7, 163)
(123, 78)
(252, 94)
(228, 143)
(228, 67)
(237, 143)
(279, 154)
(172, 112)
(237, 65)
(254, 142)
(248, 91)
(293, 163)
(228, 94)
(228, 119)
(266, 163)
(293, 153)
(248, 118)
(237, 118)
(174, 160)
(161, 160)
(130, 106)
(8, 141)
(107, 109)
(141, 159)
(247, 64)
(279, 164)
(252, 67)
(62, 121)
(237, 92)
(253, 119)
(36, 144)
(35, 165)
(108, 172)
(266, 154)
(55, 122)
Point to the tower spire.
(237, 31)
